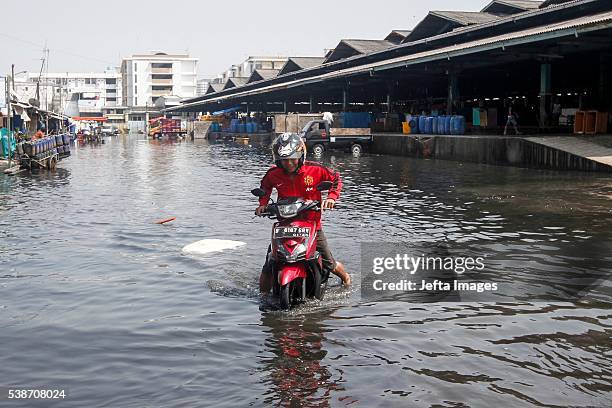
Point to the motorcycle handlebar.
(270, 211)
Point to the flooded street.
(97, 298)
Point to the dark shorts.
(328, 259)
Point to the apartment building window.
(161, 65)
(90, 81)
(111, 99)
(111, 81)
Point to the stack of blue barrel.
(252, 127)
(63, 143)
(437, 125)
(235, 126)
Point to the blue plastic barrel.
(241, 128)
(429, 125)
(434, 125)
(447, 125)
(66, 138)
(413, 122)
(422, 124)
(458, 125)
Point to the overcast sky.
(89, 36)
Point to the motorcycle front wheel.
(285, 296)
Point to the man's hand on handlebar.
(328, 204)
(261, 209)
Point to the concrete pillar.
(285, 106)
(345, 97)
(312, 104)
(545, 94)
(453, 93)
(389, 102)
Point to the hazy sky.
(91, 35)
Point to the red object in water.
(166, 220)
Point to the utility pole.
(8, 117)
(147, 117)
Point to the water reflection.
(292, 361)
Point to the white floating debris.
(207, 246)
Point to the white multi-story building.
(149, 77)
(75, 94)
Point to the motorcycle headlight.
(288, 210)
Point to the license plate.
(291, 232)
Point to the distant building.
(246, 68)
(202, 86)
(75, 94)
(149, 77)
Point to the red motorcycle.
(293, 258)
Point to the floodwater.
(97, 299)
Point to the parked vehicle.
(160, 127)
(108, 130)
(319, 136)
(296, 265)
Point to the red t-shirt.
(302, 184)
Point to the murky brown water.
(97, 298)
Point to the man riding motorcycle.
(293, 176)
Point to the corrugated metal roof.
(518, 4)
(235, 82)
(213, 88)
(501, 20)
(466, 17)
(260, 74)
(350, 47)
(524, 4)
(532, 16)
(307, 62)
(397, 36)
(367, 46)
(564, 28)
(298, 63)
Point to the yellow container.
(405, 128)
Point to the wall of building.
(149, 77)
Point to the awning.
(91, 119)
(228, 110)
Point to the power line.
(56, 50)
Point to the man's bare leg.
(265, 282)
(340, 272)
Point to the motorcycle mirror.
(258, 192)
(324, 185)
